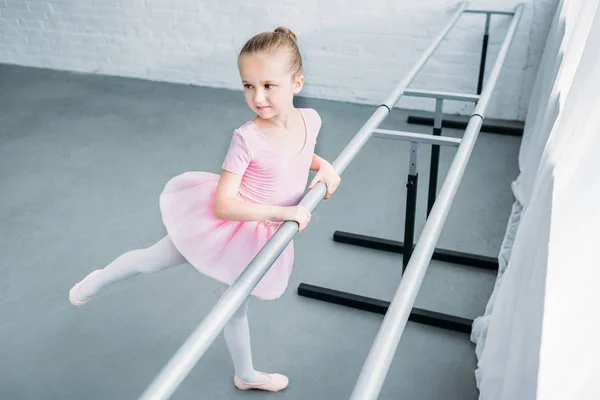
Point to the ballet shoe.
(276, 383)
(75, 289)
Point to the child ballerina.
(218, 223)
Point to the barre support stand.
(428, 317)
(498, 127)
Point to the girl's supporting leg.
(237, 337)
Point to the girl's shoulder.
(246, 135)
(313, 117)
(242, 149)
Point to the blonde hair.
(272, 42)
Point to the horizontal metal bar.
(190, 352)
(375, 369)
(416, 137)
(433, 94)
(400, 89)
(498, 12)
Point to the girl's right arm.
(228, 207)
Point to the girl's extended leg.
(160, 256)
(237, 337)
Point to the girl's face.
(269, 87)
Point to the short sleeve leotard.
(223, 249)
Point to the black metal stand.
(461, 123)
(458, 122)
(377, 306)
(432, 318)
(393, 246)
(411, 206)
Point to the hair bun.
(287, 32)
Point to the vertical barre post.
(435, 155)
(484, 48)
(411, 204)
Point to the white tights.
(159, 257)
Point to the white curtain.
(535, 339)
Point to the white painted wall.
(353, 50)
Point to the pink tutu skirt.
(218, 248)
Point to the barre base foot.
(393, 246)
(456, 122)
(425, 317)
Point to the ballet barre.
(378, 362)
(375, 368)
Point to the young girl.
(219, 223)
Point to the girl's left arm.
(317, 162)
(326, 174)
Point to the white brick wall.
(353, 50)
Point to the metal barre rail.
(182, 362)
(384, 347)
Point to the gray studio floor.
(83, 160)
